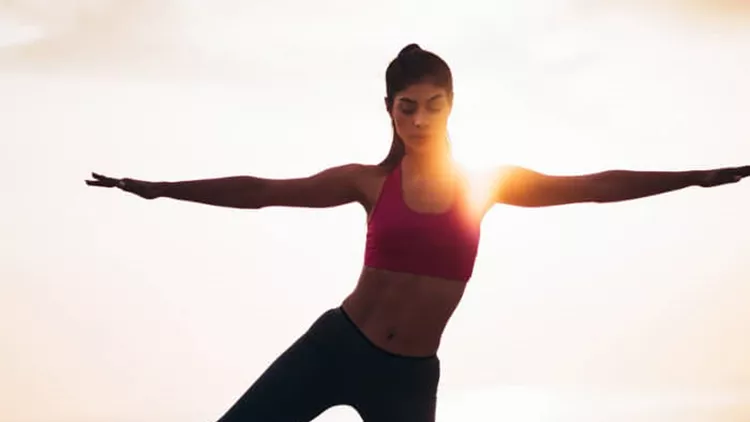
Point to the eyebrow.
(409, 100)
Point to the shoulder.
(353, 173)
(508, 175)
(511, 170)
(364, 181)
(360, 173)
(491, 177)
(494, 182)
(370, 181)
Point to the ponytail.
(396, 153)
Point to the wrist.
(161, 189)
(695, 177)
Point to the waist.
(402, 313)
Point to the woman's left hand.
(723, 176)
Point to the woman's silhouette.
(377, 352)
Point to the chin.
(422, 142)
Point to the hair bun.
(411, 48)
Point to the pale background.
(117, 309)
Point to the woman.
(377, 352)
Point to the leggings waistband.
(342, 312)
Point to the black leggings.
(332, 364)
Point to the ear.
(388, 104)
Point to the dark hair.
(412, 65)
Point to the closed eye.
(408, 110)
(434, 104)
(407, 106)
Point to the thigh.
(400, 409)
(297, 387)
(405, 395)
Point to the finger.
(106, 179)
(743, 171)
(97, 183)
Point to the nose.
(421, 119)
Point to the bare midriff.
(404, 314)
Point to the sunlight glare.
(481, 167)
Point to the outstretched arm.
(523, 187)
(328, 188)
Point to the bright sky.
(118, 309)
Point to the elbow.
(256, 194)
(252, 203)
(593, 189)
(602, 188)
(598, 193)
(250, 206)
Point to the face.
(420, 115)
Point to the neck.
(428, 164)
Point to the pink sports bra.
(439, 245)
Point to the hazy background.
(117, 309)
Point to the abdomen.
(403, 313)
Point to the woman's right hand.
(142, 188)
